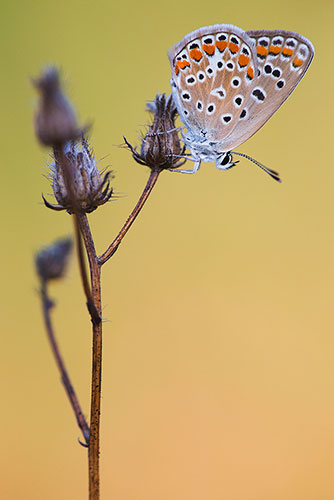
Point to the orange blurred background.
(218, 306)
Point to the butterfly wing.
(213, 75)
(282, 58)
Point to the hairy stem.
(83, 272)
(94, 439)
(95, 273)
(95, 411)
(47, 305)
(132, 217)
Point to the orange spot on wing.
(221, 45)
(209, 49)
(233, 47)
(297, 62)
(262, 51)
(243, 60)
(176, 69)
(196, 54)
(287, 52)
(250, 73)
(274, 49)
(183, 64)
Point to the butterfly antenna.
(272, 173)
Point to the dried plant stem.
(95, 273)
(132, 217)
(79, 188)
(83, 272)
(47, 305)
(94, 439)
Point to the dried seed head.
(77, 183)
(51, 261)
(55, 120)
(161, 147)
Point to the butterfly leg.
(188, 170)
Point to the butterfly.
(226, 83)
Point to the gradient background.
(218, 344)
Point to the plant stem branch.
(95, 412)
(88, 240)
(94, 440)
(132, 217)
(47, 305)
(95, 274)
(83, 271)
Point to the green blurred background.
(218, 340)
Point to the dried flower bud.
(161, 147)
(51, 261)
(55, 121)
(77, 183)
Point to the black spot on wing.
(258, 94)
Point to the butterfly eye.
(226, 159)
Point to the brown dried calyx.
(78, 185)
(161, 147)
(51, 261)
(55, 120)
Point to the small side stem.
(83, 272)
(47, 305)
(88, 241)
(132, 217)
